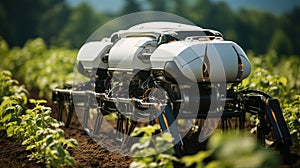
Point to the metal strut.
(168, 124)
(255, 102)
(271, 120)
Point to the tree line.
(59, 24)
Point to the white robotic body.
(222, 60)
(224, 52)
(140, 33)
(246, 66)
(156, 29)
(245, 61)
(217, 69)
(152, 45)
(190, 61)
(193, 51)
(189, 56)
(166, 52)
(124, 54)
(239, 50)
(164, 26)
(192, 70)
(90, 54)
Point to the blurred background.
(258, 26)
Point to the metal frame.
(254, 102)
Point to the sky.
(274, 6)
(101, 5)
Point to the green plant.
(41, 134)
(229, 150)
(38, 66)
(37, 130)
(263, 80)
(152, 151)
(291, 111)
(13, 99)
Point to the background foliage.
(39, 66)
(62, 25)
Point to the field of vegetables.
(32, 137)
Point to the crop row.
(35, 128)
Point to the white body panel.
(91, 53)
(201, 55)
(124, 54)
(189, 57)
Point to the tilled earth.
(87, 154)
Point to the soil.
(88, 153)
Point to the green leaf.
(135, 147)
(49, 140)
(11, 129)
(33, 101)
(195, 159)
(135, 164)
(71, 143)
(167, 137)
(168, 157)
(283, 80)
(6, 118)
(30, 147)
(61, 152)
(41, 101)
(37, 102)
(147, 131)
(54, 124)
(141, 145)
